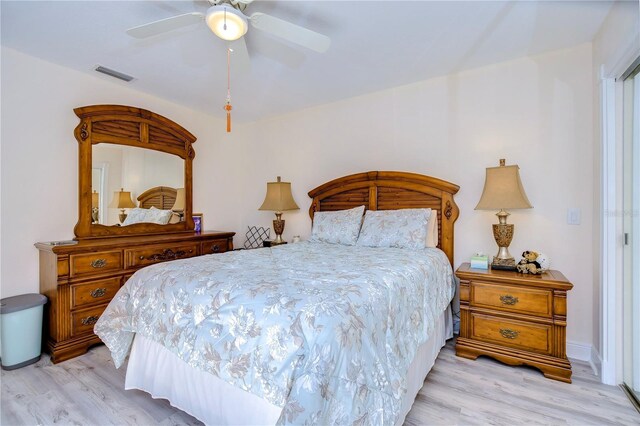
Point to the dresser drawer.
(82, 321)
(95, 263)
(531, 301)
(159, 253)
(513, 333)
(94, 293)
(214, 246)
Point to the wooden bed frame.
(160, 197)
(391, 191)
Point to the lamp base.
(278, 227)
(122, 216)
(503, 264)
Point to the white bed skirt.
(159, 372)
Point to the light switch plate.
(573, 216)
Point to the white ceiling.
(375, 45)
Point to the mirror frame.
(125, 125)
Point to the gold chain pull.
(507, 333)
(508, 299)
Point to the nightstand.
(515, 318)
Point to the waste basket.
(21, 330)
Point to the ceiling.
(375, 45)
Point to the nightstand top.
(550, 279)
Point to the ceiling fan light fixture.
(221, 16)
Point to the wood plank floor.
(88, 390)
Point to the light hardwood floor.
(88, 390)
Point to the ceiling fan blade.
(291, 32)
(240, 60)
(165, 25)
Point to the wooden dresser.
(515, 318)
(80, 279)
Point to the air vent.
(114, 73)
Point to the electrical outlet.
(573, 216)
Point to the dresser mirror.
(122, 168)
(135, 173)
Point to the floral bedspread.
(325, 331)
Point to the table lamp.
(503, 190)
(278, 199)
(179, 205)
(122, 200)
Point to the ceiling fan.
(227, 20)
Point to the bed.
(305, 333)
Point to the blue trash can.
(21, 330)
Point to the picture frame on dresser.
(198, 222)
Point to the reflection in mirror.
(121, 168)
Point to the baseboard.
(587, 353)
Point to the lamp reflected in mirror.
(179, 205)
(95, 206)
(122, 200)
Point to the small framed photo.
(197, 222)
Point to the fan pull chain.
(224, 27)
(228, 107)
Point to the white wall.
(535, 112)
(40, 159)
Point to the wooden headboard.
(392, 191)
(160, 197)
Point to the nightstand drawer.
(516, 334)
(95, 263)
(94, 292)
(531, 301)
(160, 253)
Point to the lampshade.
(95, 200)
(503, 189)
(122, 200)
(279, 198)
(226, 22)
(179, 205)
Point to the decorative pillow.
(135, 215)
(432, 230)
(404, 228)
(339, 227)
(161, 217)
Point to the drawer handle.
(507, 333)
(215, 248)
(508, 299)
(99, 263)
(98, 292)
(89, 320)
(168, 254)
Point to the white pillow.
(404, 228)
(135, 215)
(339, 227)
(161, 217)
(432, 230)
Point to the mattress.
(326, 332)
(157, 371)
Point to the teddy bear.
(532, 263)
